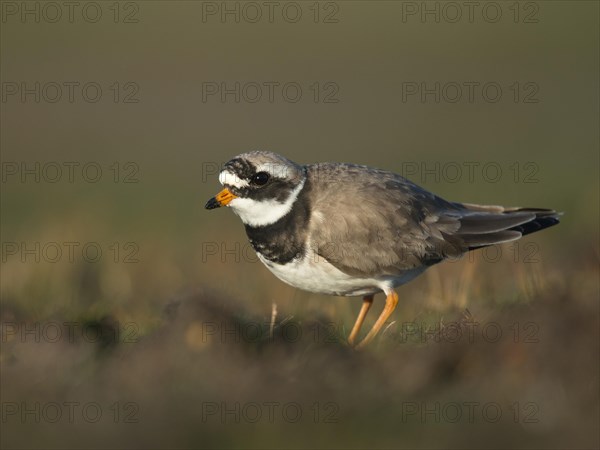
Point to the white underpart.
(315, 274)
(226, 177)
(260, 213)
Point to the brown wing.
(371, 222)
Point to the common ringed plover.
(351, 230)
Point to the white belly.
(315, 274)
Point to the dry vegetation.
(172, 365)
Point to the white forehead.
(231, 179)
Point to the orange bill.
(221, 199)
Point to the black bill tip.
(212, 204)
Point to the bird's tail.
(483, 225)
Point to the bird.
(351, 230)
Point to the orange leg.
(367, 302)
(390, 304)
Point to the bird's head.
(260, 187)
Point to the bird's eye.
(260, 178)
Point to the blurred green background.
(364, 55)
